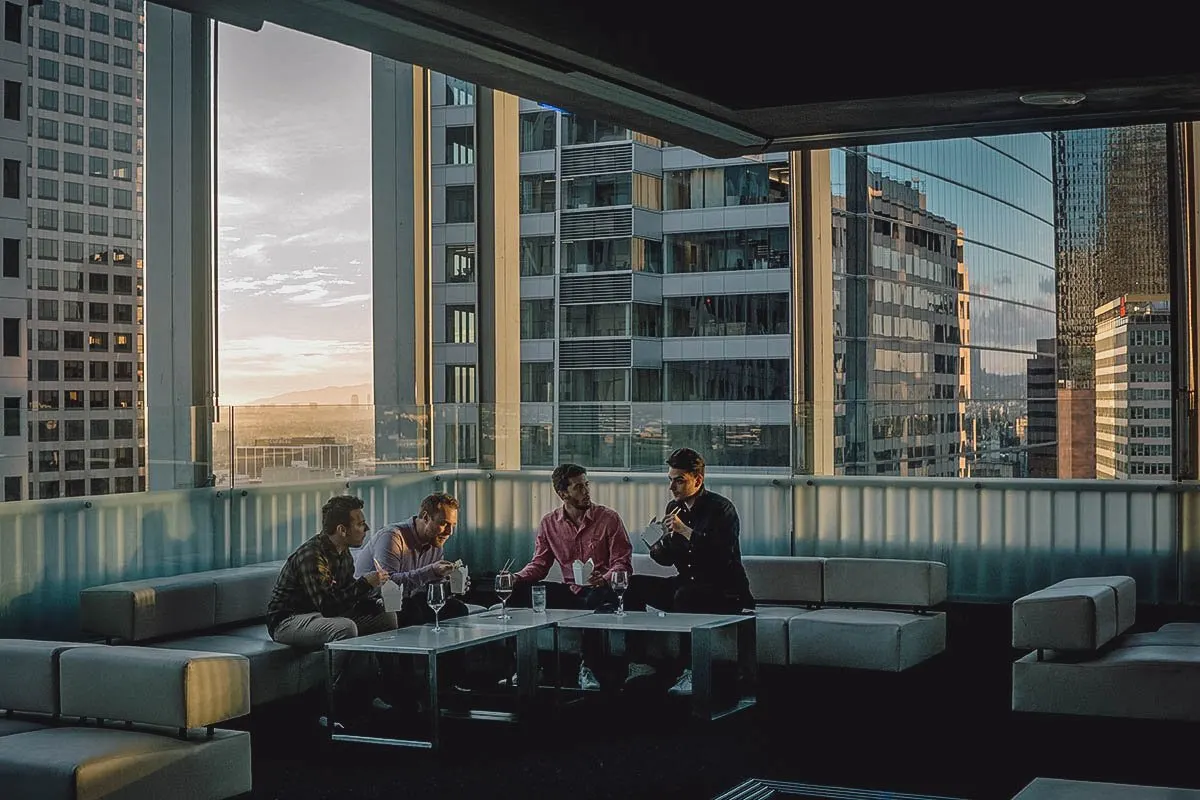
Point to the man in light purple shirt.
(413, 554)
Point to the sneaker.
(587, 680)
(323, 721)
(380, 705)
(639, 671)
(683, 686)
(541, 678)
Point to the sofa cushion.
(1132, 682)
(312, 667)
(13, 725)
(884, 582)
(154, 686)
(1123, 587)
(29, 674)
(1069, 618)
(891, 641)
(1190, 630)
(137, 610)
(771, 633)
(643, 564)
(77, 762)
(785, 579)
(242, 594)
(275, 669)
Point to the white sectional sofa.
(1083, 661)
(857, 613)
(63, 703)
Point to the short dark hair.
(438, 501)
(338, 511)
(688, 460)
(563, 474)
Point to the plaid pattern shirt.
(318, 579)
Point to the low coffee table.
(715, 639)
(1058, 789)
(423, 643)
(770, 790)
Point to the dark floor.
(944, 728)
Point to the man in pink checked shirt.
(578, 530)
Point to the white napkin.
(583, 571)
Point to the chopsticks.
(507, 565)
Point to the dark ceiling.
(727, 80)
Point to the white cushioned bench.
(1085, 663)
(219, 611)
(863, 613)
(161, 697)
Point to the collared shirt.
(401, 554)
(317, 579)
(713, 556)
(601, 536)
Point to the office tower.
(83, 191)
(1111, 228)
(645, 325)
(1041, 388)
(942, 287)
(1133, 387)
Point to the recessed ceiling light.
(1053, 99)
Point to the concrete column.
(498, 329)
(180, 357)
(812, 312)
(400, 264)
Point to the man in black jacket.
(700, 539)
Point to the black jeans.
(559, 595)
(682, 597)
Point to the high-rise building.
(1111, 227)
(656, 298)
(78, 181)
(1041, 386)
(1133, 387)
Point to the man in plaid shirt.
(317, 598)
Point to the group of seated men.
(329, 588)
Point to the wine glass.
(620, 582)
(435, 595)
(504, 587)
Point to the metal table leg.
(435, 704)
(702, 669)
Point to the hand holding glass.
(619, 579)
(435, 595)
(504, 586)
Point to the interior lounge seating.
(860, 613)
(63, 703)
(1084, 661)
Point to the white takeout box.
(458, 580)
(583, 571)
(393, 597)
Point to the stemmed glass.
(436, 595)
(504, 587)
(620, 582)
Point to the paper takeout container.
(583, 570)
(458, 580)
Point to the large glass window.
(537, 381)
(537, 319)
(728, 315)
(460, 144)
(647, 320)
(581, 130)
(460, 204)
(537, 193)
(537, 131)
(460, 324)
(460, 383)
(720, 251)
(460, 263)
(598, 191)
(728, 380)
(593, 385)
(734, 185)
(459, 92)
(605, 319)
(537, 255)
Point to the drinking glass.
(504, 587)
(620, 582)
(436, 595)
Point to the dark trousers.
(416, 611)
(682, 597)
(590, 598)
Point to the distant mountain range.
(329, 396)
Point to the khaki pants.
(313, 632)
